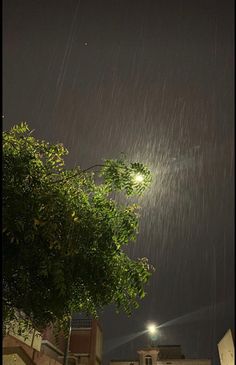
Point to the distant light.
(139, 178)
(152, 329)
(86, 43)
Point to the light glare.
(152, 329)
(139, 178)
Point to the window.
(148, 360)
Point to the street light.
(152, 331)
(138, 178)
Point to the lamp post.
(67, 348)
(152, 331)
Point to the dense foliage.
(63, 233)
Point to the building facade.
(162, 355)
(226, 349)
(48, 349)
(86, 341)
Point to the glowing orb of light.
(138, 178)
(152, 329)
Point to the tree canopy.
(63, 233)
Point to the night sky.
(153, 79)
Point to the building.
(226, 349)
(161, 355)
(85, 343)
(20, 351)
(48, 349)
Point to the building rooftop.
(125, 360)
(158, 347)
(81, 323)
(164, 352)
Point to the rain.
(152, 79)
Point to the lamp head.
(138, 178)
(152, 329)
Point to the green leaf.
(64, 234)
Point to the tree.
(63, 234)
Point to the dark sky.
(153, 79)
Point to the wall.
(185, 362)
(19, 353)
(32, 338)
(80, 341)
(98, 349)
(168, 362)
(226, 349)
(87, 340)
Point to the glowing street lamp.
(138, 178)
(152, 329)
(152, 332)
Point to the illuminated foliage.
(132, 178)
(63, 234)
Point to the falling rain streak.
(152, 79)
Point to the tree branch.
(77, 173)
(91, 167)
